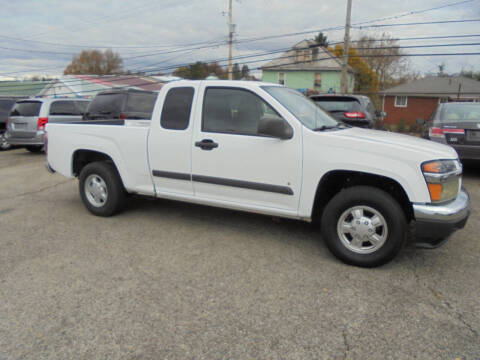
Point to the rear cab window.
(26, 108)
(176, 108)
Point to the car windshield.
(460, 113)
(337, 104)
(304, 109)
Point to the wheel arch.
(83, 157)
(335, 181)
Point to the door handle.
(206, 144)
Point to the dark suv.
(355, 110)
(456, 124)
(121, 104)
(6, 104)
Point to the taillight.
(354, 114)
(122, 116)
(42, 121)
(437, 132)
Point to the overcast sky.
(139, 28)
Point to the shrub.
(401, 127)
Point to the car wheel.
(34, 148)
(101, 189)
(4, 145)
(364, 226)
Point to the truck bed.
(123, 142)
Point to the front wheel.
(101, 189)
(364, 226)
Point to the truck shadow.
(301, 236)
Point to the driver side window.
(234, 111)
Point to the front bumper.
(434, 223)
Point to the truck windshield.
(302, 108)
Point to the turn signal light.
(435, 191)
(42, 121)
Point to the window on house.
(281, 78)
(318, 80)
(315, 53)
(401, 101)
(306, 55)
(299, 56)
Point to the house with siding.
(308, 66)
(419, 98)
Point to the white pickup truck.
(267, 149)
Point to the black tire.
(115, 191)
(4, 145)
(34, 148)
(380, 201)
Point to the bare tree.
(384, 57)
(95, 62)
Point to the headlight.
(444, 179)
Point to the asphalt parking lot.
(168, 280)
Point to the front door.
(233, 163)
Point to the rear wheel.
(101, 189)
(364, 226)
(4, 145)
(34, 148)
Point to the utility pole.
(346, 45)
(230, 41)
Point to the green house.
(308, 66)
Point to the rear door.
(169, 141)
(23, 119)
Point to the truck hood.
(396, 145)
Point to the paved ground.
(167, 280)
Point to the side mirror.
(275, 127)
(421, 122)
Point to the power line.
(418, 23)
(277, 66)
(256, 55)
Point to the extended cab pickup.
(267, 149)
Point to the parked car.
(456, 124)
(267, 149)
(6, 103)
(27, 119)
(123, 104)
(355, 110)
